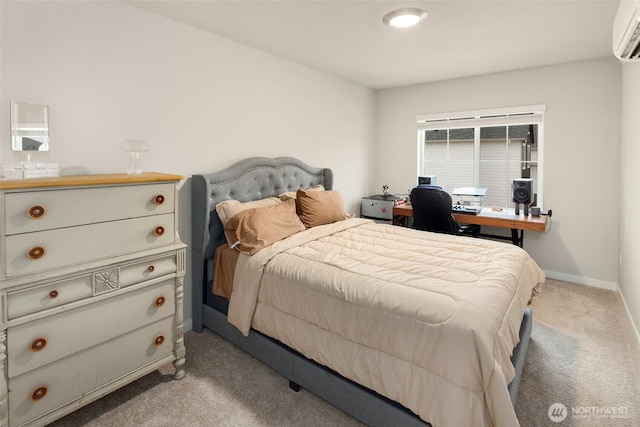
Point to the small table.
(504, 219)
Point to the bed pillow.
(292, 194)
(228, 208)
(319, 207)
(253, 229)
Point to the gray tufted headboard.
(249, 179)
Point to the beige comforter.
(428, 320)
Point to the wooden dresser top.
(78, 180)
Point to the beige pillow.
(319, 207)
(254, 229)
(292, 194)
(228, 208)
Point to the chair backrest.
(432, 210)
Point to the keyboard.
(468, 210)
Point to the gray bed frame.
(256, 178)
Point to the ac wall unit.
(626, 31)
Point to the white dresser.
(91, 289)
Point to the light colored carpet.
(583, 354)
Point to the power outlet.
(620, 259)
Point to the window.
(488, 148)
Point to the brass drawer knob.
(159, 302)
(159, 199)
(53, 294)
(158, 231)
(38, 344)
(36, 253)
(36, 212)
(150, 268)
(39, 393)
(158, 341)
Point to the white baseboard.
(187, 325)
(597, 283)
(626, 307)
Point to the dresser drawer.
(39, 298)
(30, 211)
(35, 344)
(33, 300)
(44, 250)
(69, 379)
(146, 270)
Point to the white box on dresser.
(91, 289)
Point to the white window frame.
(507, 116)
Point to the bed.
(392, 325)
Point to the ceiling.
(347, 39)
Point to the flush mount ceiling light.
(403, 18)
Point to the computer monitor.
(428, 180)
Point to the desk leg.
(402, 221)
(517, 240)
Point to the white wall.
(629, 275)
(581, 154)
(111, 72)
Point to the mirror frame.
(29, 126)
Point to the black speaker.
(522, 190)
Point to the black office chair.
(432, 212)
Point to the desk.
(507, 219)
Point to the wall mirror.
(29, 126)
